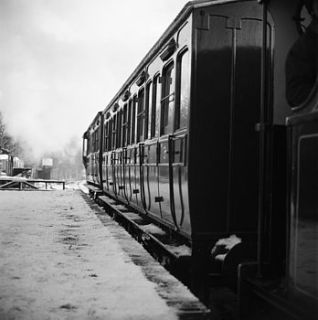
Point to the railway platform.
(62, 257)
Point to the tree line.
(67, 163)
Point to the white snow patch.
(151, 228)
(57, 261)
(182, 250)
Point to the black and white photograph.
(158, 160)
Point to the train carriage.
(196, 139)
(91, 151)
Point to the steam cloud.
(64, 60)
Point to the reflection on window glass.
(133, 120)
(129, 122)
(167, 100)
(114, 131)
(125, 126)
(140, 116)
(110, 131)
(155, 107)
(147, 110)
(94, 142)
(105, 136)
(119, 129)
(304, 253)
(97, 137)
(183, 85)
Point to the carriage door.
(105, 156)
(114, 155)
(178, 169)
(119, 156)
(140, 150)
(166, 126)
(108, 161)
(124, 156)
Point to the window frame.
(167, 97)
(178, 90)
(155, 105)
(140, 115)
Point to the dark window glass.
(106, 137)
(155, 107)
(114, 131)
(148, 110)
(110, 135)
(140, 116)
(133, 120)
(94, 135)
(118, 133)
(183, 91)
(88, 144)
(167, 100)
(97, 138)
(304, 224)
(129, 122)
(125, 126)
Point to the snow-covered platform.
(58, 260)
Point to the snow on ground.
(57, 261)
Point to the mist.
(63, 60)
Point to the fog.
(62, 61)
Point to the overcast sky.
(61, 61)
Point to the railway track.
(174, 254)
(166, 246)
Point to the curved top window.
(132, 119)
(140, 116)
(148, 110)
(125, 126)
(183, 90)
(167, 100)
(155, 107)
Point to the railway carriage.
(92, 151)
(196, 139)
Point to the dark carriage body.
(191, 146)
(92, 151)
(196, 140)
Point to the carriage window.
(94, 135)
(88, 144)
(106, 137)
(183, 91)
(114, 129)
(125, 126)
(110, 132)
(97, 139)
(140, 116)
(167, 100)
(129, 121)
(94, 141)
(133, 120)
(118, 133)
(155, 107)
(85, 151)
(147, 110)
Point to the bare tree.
(6, 141)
